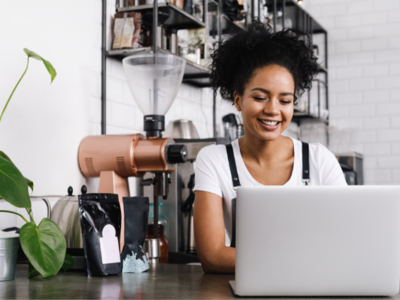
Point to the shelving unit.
(229, 26)
(178, 18)
(197, 75)
(303, 22)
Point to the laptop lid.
(318, 241)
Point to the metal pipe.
(275, 11)
(155, 214)
(205, 10)
(215, 113)
(252, 11)
(155, 25)
(326, 74)
(219, 21)
(103, 68)
(319, 100)
(326, 50)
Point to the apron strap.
(233, 241)
(232, 165)
(236, 183)
(306, 163)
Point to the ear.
(237, 101)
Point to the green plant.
(44, 245)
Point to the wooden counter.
(163, 281)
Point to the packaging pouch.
(100, 217)
(136, 218)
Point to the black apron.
(236, 181)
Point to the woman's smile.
(269, 125)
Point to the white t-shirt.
(212, 172)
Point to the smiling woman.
(263, 73)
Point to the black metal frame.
(309, 26)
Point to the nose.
(271, 107)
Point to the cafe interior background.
(45, 123)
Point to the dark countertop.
(162, 281)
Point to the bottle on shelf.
(162, 225)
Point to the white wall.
(364, 79)
(44, 124)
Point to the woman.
(263, 73)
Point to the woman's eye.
(259, 98)
(285, 101)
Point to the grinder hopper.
(154, 80)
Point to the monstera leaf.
(44, 246)
(13, 185)
(47, 64)
(69, 263)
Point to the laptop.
(317, 241)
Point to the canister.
(9, 243)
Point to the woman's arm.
(209, 232)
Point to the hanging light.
(300, 2)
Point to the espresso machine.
(352, 167)
(178, 207)
(154, 80)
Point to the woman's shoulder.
(212, 153)
(316, 149)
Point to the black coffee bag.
(136, 218)
(100, 217)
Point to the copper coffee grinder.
(154, 80)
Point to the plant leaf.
(69, 262)
(30, 183)
(32, 271)
(47, 64)
(13, 186)
(44, 246)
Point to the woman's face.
(267, 102)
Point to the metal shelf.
(229, 26)
(196, 75)
(322, 69)
(212, 5)
(178, 18)
(297, 117)
(292, 8)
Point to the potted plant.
(44, 244)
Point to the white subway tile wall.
(364, 81)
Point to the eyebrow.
(268, 92)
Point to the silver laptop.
(317, 241)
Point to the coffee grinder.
(154, 80)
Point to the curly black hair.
(236, 59)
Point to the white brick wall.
(364, 81)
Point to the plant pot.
(8, 257)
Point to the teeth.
(269, 123)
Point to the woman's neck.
(265, 152)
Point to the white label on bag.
(109, 246)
